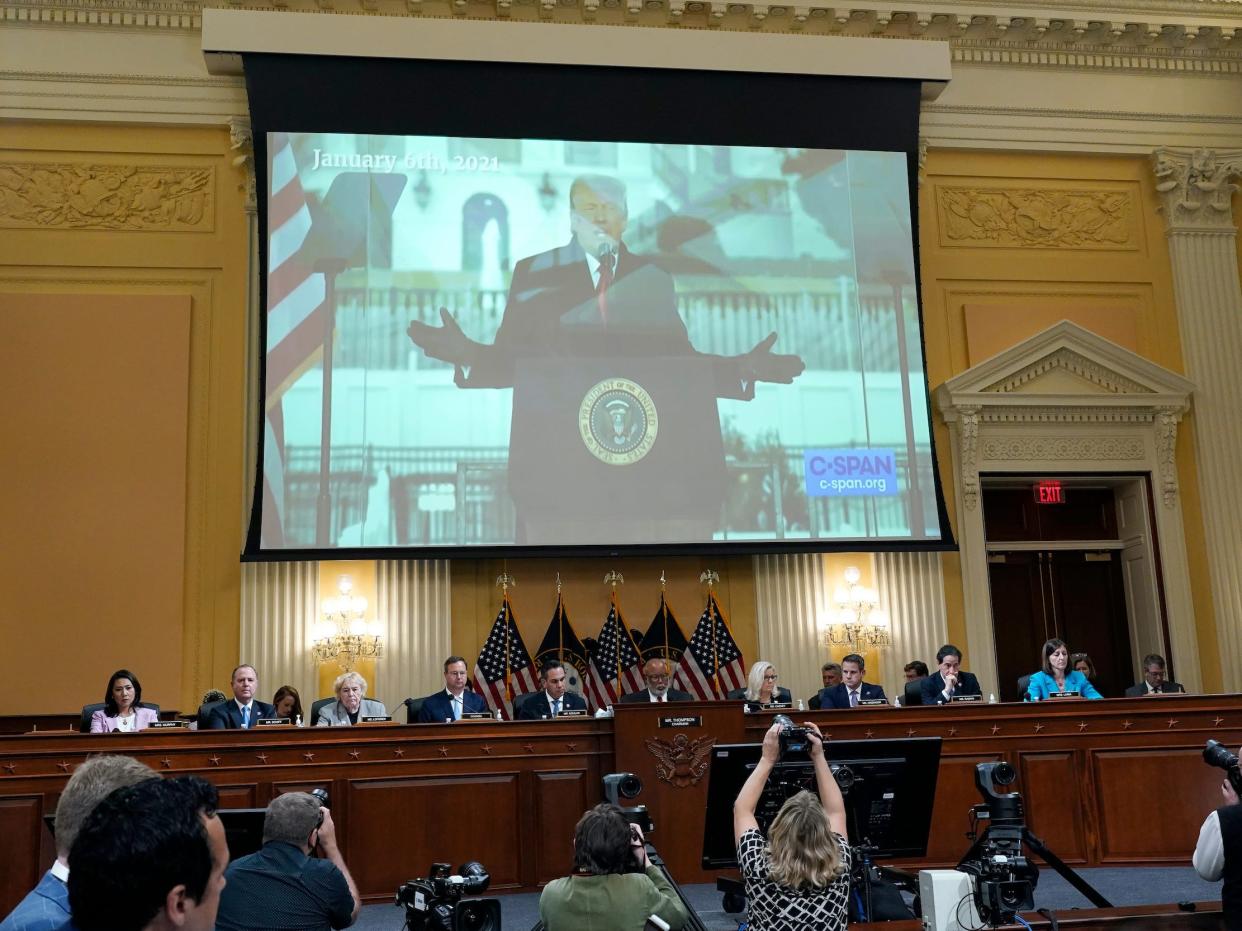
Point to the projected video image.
(493, 342)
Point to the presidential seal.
(618, 421)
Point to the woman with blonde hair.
(351, 703)
(799, 878)
(761, 686)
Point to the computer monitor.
(243, 829)
(888, 785)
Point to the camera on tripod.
(626, 785)
(435, 903)
(1214, 754)
(1004, 878)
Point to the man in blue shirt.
(47, 906)
(282, 888)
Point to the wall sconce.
(344, 635)
(422, 191)
(548, 193)
(857, 620)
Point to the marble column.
(1196, 189)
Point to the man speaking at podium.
(611, 403)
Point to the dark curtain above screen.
(547, 307)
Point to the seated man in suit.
(948, 681)
(830, 672)
(552, 699)
(455, 700)
(852, 689)
(242, 710)
(915, 669)
(656, 672)
(1154, 682)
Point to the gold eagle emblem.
(681, 762)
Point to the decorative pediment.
(1065, 365)
(1072, 380)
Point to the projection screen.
(564, 341)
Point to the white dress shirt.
(1209, 856)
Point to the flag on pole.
(664, 639)
(616, 667)
(562, 643)
(296, 316)
(712, 664)
(504, 669)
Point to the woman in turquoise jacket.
(1056, 676)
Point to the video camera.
(1215, 754)
(626, 785)
(435, 903)
(1004, 878)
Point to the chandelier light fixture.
(344, 635)
(856, 620)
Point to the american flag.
(616, 667)
(664, 639)
(296, 317)
(495, 679)
(561, 643)
(712, 651)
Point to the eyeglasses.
(770, 677)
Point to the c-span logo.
(618, 421)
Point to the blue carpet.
(1129, 886)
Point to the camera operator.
(282, 886)
(1218, 854)
(613, 884)
(799, 878)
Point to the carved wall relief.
(161, 198)
(1040, 218)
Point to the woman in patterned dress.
(799, 878)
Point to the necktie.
(606, 264)
(556, 707)
(456, 708)
(245, 715)
(853, 699)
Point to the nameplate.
(475, 716)
(571, 713)
(872, 701)
(970, 698)
(1064, 695)
(685, 720)
(272, 722)
(778, 706)
(375, 719)
(168, 725)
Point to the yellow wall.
(126, 564)
(1010, 244)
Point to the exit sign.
(1050, 492)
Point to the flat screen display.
(564, 342)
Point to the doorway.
(1077, 570)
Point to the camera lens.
(1003, 774)
(1216, 754)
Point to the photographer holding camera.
(1218, 854)
(283, 886)
(613, 885)
(799, 878)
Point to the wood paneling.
(1096, 778)
(20, 826)
(1148, 799)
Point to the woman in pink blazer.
(122, 709)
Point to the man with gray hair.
(282, 886)
(47, 906)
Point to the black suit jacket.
(227, 716)
(554, 349)
(782, 695)
(839, 697)
(537, 706)
(933, 687)
(1139, 689)
(438, 708)
(642, 695)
